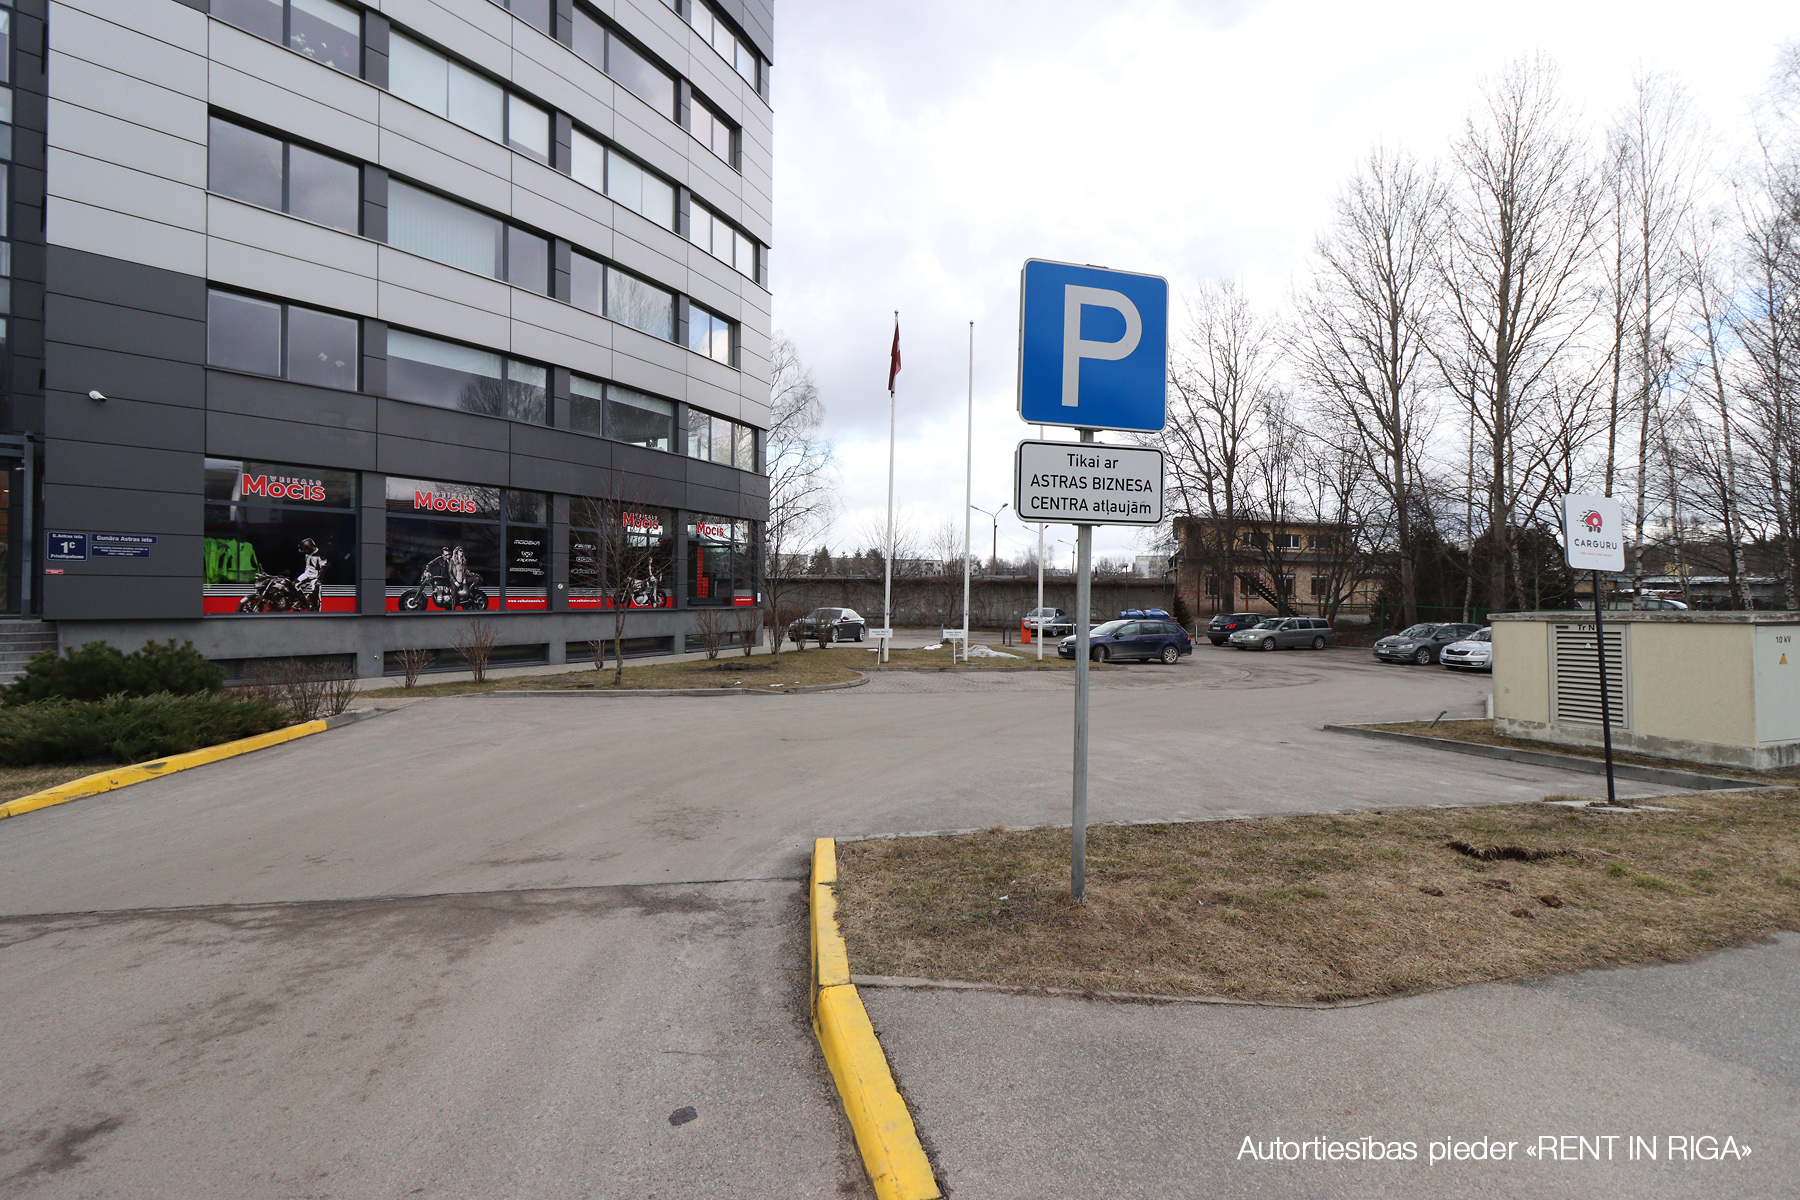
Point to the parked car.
(1422, 644)
(1226, 624)
(844, 625)
(1285, 633)
(1473, 653)
(1049, 622)
(1659, 604)
(1146, 640)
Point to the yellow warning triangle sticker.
(1784, 660)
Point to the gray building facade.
(333, 326)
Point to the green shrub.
(128, 728)
(97, 670)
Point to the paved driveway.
(489, 946)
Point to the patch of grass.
(22, 781)
(1327, 907)
(1481, 732)
(756, 673)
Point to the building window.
(266, 337)
(722, 561)
(278, 539)
(717, 439)
(1287, 541)
(1284, 587)
(622, 179)
(713, 234)
(456, 235)
(709, 334)
(639, 304)
(737, 53)
(637, 564)
(272, 173)
(323, 30)
(620, 413)
(426, 370)
(713, 131)
(623, 62)
(528, 128)
(535, 13)
(439, 84)
(460, 547)
(1212, 587)
(1321, 587)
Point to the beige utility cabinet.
(1711, 687)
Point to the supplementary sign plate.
(878, 634)
(1593, 533)
(1087, 483)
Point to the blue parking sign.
(1093, 347)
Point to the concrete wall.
(1703, 687)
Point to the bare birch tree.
(802, 485)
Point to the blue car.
(1162, 640)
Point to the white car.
(1473, 653)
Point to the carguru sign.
(1093, 347)
(1593, 533)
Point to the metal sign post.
(1593, 537)
(1093, 354)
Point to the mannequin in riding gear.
(309, 583)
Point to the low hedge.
(97, 670)
(129, 729)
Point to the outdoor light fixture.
(95, 395)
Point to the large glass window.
(721, 440)
(439, 84)
(323, 30)
(527, 260)
(266, 337)
(428, 370)
(639, 190)
(587, 283)
(722, 561)
(278, 539)
(527, 128)
(737, 53)
(621, 413)
(712, 131)
(272, 173)
(641, 305)
(587, 398)
(709, 334)
(619, 550)
(427, 224)
(713, 234)
(461, 547)
(629, 66)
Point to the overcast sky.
(924, 150)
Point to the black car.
(1146, 640)
(841, 625)
(1226, 624)
(1422, 644)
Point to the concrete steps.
(19, 640)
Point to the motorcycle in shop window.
(278, 539)
(447, 542)
(641, 548)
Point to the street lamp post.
(994, 552)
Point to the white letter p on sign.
(1076, 348)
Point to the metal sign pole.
(1084, 556)
(1612, 797)
(1037, 635)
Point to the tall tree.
(1517, 246)
(802, 484)
(1359, 340)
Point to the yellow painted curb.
(106, 781)
(884, 1130)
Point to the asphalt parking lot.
(489, 945)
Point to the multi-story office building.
(332, 325)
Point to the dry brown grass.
(1482, 732)
(1327, 907)
(744, 674)
(22, 781)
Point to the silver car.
(1284, 633)
(1473, 653)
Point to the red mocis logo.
(1592, 520)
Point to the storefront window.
(279, 539)
(446, 543)
(721, 561)
(620, 549)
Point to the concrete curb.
(884, 1130)
(118, 777)
(809, 689)
(1566, 762)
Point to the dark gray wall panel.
(435, 460)
(80, 322)
(656, 463)
(116, 510)
(579, 449)
(93, 598)
(135, 467)
(548, 475)
(405, 419)
(231, 435)
(125, 422)
(258, 396)
(87, 276)
(84, 369)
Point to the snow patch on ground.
(987, 652)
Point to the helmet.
(310, 546)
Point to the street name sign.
(1087, 483)
(1093, 347)
(1593, 533)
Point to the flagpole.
(968, 491)
(887, 587)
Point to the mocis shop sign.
(432, 502)
(283, 488)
